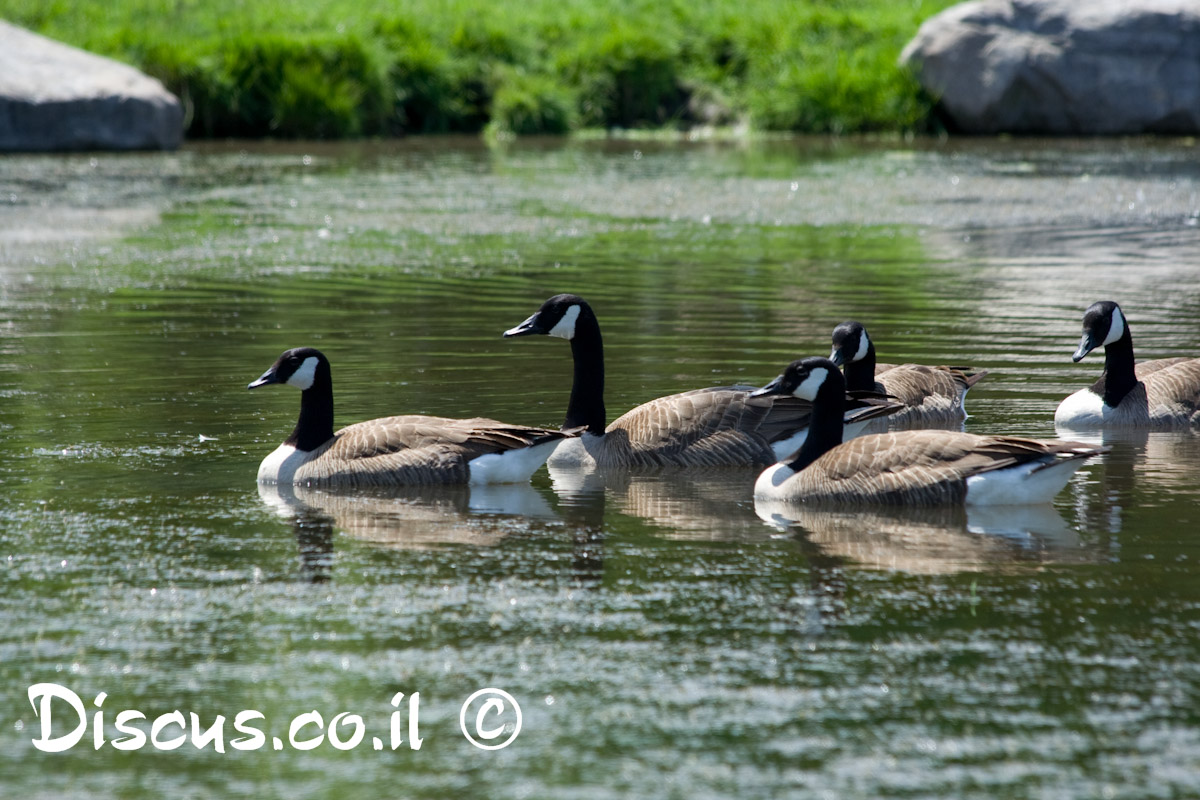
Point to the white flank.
(1020, 485)
(511, 466)
(303, 377)
(812, 384)
(577, 452)
(1117, 329)
(772, 483)
(864, 343)
(1084, 409)
(281, 465)
(565, 329)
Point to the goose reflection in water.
(416, 518)
(428, 517)
(1143, 470)
(694, 504)
(932, 541)
(314, 543)
(712, 505)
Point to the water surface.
(663, 636)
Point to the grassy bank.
(337, 68)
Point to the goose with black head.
(1159, 394)
(932, 396)
(714, 427)
(917, 468)
(401, 450)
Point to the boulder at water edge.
(1063, 66)
(55, 97)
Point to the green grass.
(339, 68)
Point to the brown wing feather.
(931, 395)
(919, 467)
(720, 426)
(1173, 393)
(1144, 368)
(717, 427)
(414, 450)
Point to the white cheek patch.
(808, 389)
(565, 329)
(864, 342)
(1117, 329)
(303, 378)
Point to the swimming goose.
(405, 450)
(908, 467)
(716, 427)
(932, 396)
(1164, 393)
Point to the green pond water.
(660, 638)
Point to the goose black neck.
(825, 429)
(1118, 378)
(315, 426)
(586, 407)
(860, 375)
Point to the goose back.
(718, 426)
(713, 427)
(413, 450)
(1144, 368)
(1173, 393)
(913, 468)
(931, 396)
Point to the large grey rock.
(1063, 66)
(56, 97)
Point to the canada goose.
(406, 450)
(716, 427)
(1164, 393)
(932, 396)
(908, 467)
